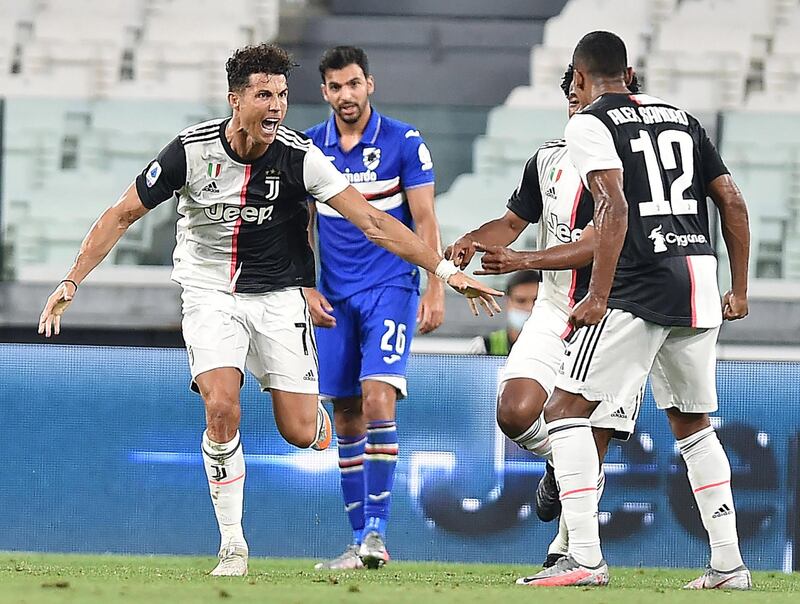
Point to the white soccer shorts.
(538, 353)
(269, 334)
(610, 361)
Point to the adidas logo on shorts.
(309, 377)
(620, 413)
(210, 188)
(724, 510)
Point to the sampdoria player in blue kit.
(368, 301)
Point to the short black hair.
(522, 278)
(566, 82)
(340, 57)
(601, 54)
(261, 58)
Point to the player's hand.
(589, 311)
(734, 307)
(320, 308)
(57, 303)
(498, 260)
(431, 307)
(475, 291)
(461, 252)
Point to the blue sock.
(351, 472)
(380, 460)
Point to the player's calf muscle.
(565, 404)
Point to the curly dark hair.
(261, 58)
(566, 82)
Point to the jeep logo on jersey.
(371, 157)
(660, 240)
(272, 180)
(220, 212)
(562, 231)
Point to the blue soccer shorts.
(371, 340)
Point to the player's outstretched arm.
(391, 234)
(736, 232)
(498, 260)
(99, 241)
(501, 231)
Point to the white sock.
(710, 476)
(560, 545)
(577, 470)
(535, 439)
(224, 464)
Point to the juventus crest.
(272, 181)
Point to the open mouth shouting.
(269, 126)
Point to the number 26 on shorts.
(396, 350)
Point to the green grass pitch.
(34, 578)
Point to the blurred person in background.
(242, 258)
(368, 300)
(522, 289)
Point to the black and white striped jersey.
(243, 223)
(552, 195)
(667, 269)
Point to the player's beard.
(351, 118)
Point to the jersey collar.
(370, 132)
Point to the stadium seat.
(524, 124)
(534, 97)
(699, 82)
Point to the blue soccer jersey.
(390, 159)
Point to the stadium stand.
(93, 89)
(94, 49)
(471, 53)
(737, 48)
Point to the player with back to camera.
(242, 257)
(551, 195)
(366, 311)
(652, 304)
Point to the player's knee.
(222, 417)
(516, 414)
(378, 404)
(685, 424)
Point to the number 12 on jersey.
(676, 204)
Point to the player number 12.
(666, 151)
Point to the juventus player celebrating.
(550, 194)
(650, 167)
(242, 257)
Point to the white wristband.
(446, 269)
